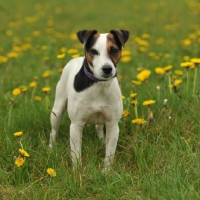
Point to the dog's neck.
(89, 73)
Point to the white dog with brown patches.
(88, 89)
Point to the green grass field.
(159, 159)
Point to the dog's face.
(103, 51)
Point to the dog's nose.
(107, 69)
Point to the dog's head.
(103, 51)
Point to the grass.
(157, 160)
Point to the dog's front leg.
(112, 134)
(75, 144)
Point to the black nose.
(107, 69)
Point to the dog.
(88, 89)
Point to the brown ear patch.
(121, 35)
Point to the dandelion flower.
(195, 60)
(177, 82)
(186, 64)
(123, 97)
(136, 83)
(37, 98)
(23, 153)
(168, 68)
(133, 95)
(18, 134)
(148, 102)
(134, 102)
(19, 162)
(143, 75)
(126, 59)
(178, 72)
(61, 56)
(126, 113)
(51, 172)
(159, 70)
(33, 84)
(16, 92)
(72, 51)
(46, 74)
(3, 59)
(138, 121)
(46, 89)
(126, 53)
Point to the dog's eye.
(114, 51)
(94, 52)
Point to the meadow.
(158, 152)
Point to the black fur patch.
(81, 81)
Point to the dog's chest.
(97, 115)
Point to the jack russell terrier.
(88, 89)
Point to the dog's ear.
(84, 35)
(121, 35)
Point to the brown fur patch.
(112, 43)
(89, 45)
(89, 59)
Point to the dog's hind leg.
(58, 110)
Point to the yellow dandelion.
(3, 59)
(134, 102)
(37, 98)
(138, 121)
(63, 50)
(159, 70)
(186, 58)
(46, 89)
(126, 59)
(168, 68)
(61, 56)
(51, 172)
(18, 134)
(123, 97)
(44, 47)
(23, 153)
(195, 60)
(75, 55)
(178, 72)
(148, 102)
(36, 33)
(145, 36)
(143, 75)
(136, 83)
(186, 64)
(12, 54)
(126, 53)
(19, 162)
(186, 42)
(72, 51)
(133, 95)
(126, 113)
(177, 82)
(33, 84)
(46, 73)
(16, 92)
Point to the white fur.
(99, 104)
